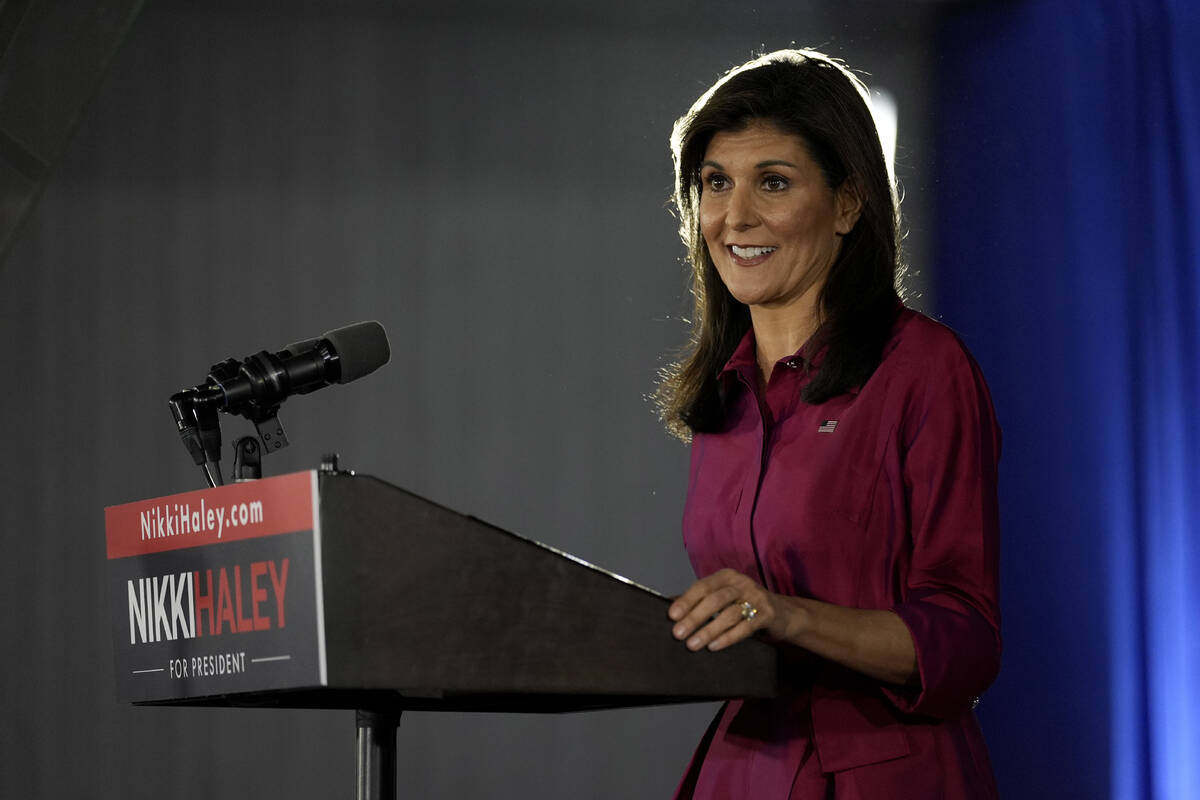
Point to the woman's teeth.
(751, 252)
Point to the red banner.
(249, 510)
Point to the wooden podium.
(332, 590)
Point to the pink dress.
(884, 497)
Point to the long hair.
(812, 96)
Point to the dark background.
(489, 180)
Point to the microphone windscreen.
(361, 348)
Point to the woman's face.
(771, 223)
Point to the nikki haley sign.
(217, 591)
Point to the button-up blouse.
(882, 498)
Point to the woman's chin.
(748, 295)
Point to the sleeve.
(950, 599)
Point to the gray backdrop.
(486, 179)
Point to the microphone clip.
(261, 369)
(196, 419)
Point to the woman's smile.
(748, 256)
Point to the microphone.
(264, 380)
(255, 386)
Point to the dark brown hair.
(812, 96)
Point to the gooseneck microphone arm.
(255, 387)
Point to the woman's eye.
(775, 183)
(716, 182)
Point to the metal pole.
(375, 770)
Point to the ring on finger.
(748, 610)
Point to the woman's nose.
(741, 212)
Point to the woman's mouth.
(750, 255)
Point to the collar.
(744, 361)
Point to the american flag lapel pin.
(828, 426)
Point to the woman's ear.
(848, 205)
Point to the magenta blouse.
(884, 497)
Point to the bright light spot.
(883, 108)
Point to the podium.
(326, 589)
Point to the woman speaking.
(842, 494)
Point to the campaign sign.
(218, 591)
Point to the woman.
(842, 496)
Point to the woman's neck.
(779, 333)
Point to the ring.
(748, 611)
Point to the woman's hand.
(725, 608)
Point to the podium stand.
(332, 590)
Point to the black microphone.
(264, 380)
(255, 386)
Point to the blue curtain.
(1068, 255)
